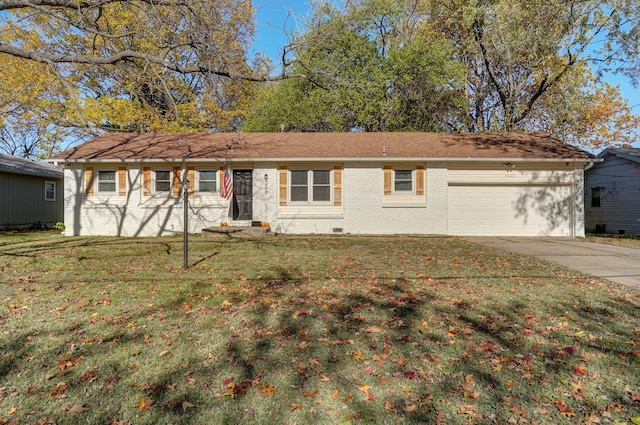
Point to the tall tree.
(134, 66)
(368, 67)
(521, 53)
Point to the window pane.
(207, 181)
(403, 174)
(208, 175)
(299, 193)
(50, 191)
(595, 196)
(106, 186)
(321, 193)
(321, 177)
(163, 181)
(106, 176)
(403, 186)
(299, 177)
(162, 175)
(106, 181)
(403, 181)
(163, 186)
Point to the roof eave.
(316, 159)
(619, 154)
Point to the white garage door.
(501, 210)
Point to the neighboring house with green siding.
(30, 193)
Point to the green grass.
(308, 330)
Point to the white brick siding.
(364, 209)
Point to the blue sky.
(272, 15)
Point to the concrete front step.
(236, 232)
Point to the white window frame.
(310, 186)
(217, 183)
(53, 185)
(394, 180)
(155, 180)
(115, 181)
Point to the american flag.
(227, 185)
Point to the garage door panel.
(476, 210)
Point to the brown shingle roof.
(268, 146)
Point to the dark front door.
(243, 195)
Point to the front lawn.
(315, 330)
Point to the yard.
(322, 330)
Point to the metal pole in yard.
(185, 193)
(185, 190)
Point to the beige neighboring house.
(327, 183)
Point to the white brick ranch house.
(326, 183)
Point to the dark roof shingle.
(17, 165)
(256, 146)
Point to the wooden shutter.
(337, 185)
(419, 180)
(388, 179)
(191, 176)
(122, 181)
(146, 181)
(175, 182)
(88, 180)
(282, 177)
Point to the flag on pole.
(227, 185)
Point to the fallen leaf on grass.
(59, 389)
(310, 393)
(410, 408)
(295, 406)
(580, 370)
(186, 405)
(65, 365)
(144, 403)
(73, 409)
(112, 380)
(564, 409)
(268, 390)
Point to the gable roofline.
(630, 154)
(27, 167)
(385, 147)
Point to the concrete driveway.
(614, 263)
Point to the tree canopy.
(72, 69)
(526, 66)
(368, 67)
(85, 67)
